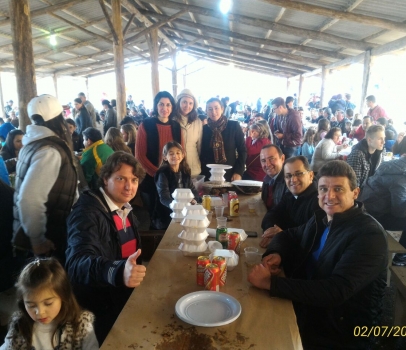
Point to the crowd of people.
(78, 172)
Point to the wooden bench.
(399, 277)
(394, 247)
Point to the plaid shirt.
(361, 161)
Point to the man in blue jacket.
(335, 265)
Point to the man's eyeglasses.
(298, 175)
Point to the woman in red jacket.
(259, 137)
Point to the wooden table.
(148, 320)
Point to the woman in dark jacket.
(153, 134)
(222, 140)
(82, 120)
(10, 150)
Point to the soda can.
(234, 242)
(211, 277)
(234, 207)
(222, 264)
(201, 263)
(206, 202)
(231, 195)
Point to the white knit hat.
(47, 106)
(187, 93)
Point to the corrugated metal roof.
(88, 11)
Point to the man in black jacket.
(298, 205)
(273, 187)
(104, 247)
(335, 265)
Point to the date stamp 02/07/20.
(380, 331)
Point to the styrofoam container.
(177, 205)
(217, 172)
(193, 238)
(194, 210)
(230, 255)
(177, 217)
(192, 250)
(183, 194)
(217, 179)
(195, 221)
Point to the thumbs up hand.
(133, 273)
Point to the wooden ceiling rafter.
(271, 25)
(311, 64)
(235, 35)
(341, 15)
(239, 57)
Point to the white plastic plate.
(247, 183)
(219, 166)
(208, 309)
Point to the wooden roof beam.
(133, 10)
(101, 37)
(347, 16)
(109, 22)
(282, 28)
(314, 63)
(238, 65)
(274, 43)
(42, 11)
(228, 57)
(154, 26)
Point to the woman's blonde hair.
(261, 129)
(115, 140)
(131, 131)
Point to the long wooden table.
(148, 321)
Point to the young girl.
(49, 316)
(308, 144)
(173, 173)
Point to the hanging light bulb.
(225, 6)
(52, 40)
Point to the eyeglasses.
(298, 175)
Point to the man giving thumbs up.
(133, 273)
(103, 258)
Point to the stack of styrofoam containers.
(181, 198)
(194, 235)
(217, 175)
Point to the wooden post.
(324, 73)
(153, 54)
(365, 80)
(119, 61)
(55, 79)
(1, 98)
(299, 98)
(23, 56)
(174, 74)
(87, 88)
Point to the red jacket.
(253, 163)
(377, 112)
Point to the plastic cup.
(252, 206)
(251, 255)
(222, 221)
(225, 199)
(219, 211)
(210, 215)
